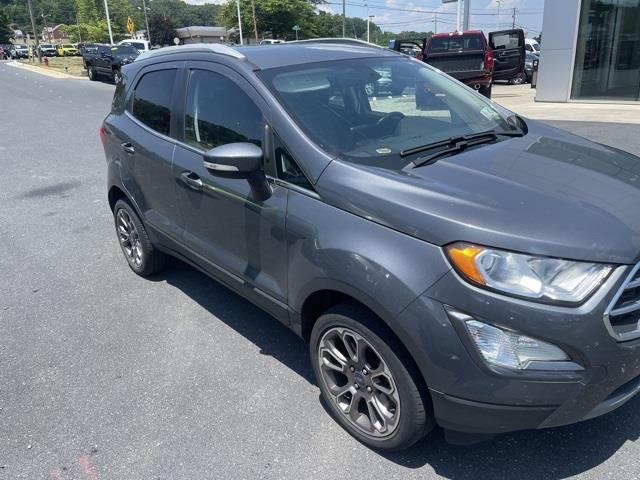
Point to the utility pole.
(239, 21)
(79, 32)
(467, 15)
(435, 22)
(458, 24)
(35, 34)
(498, 22)
(46, 28)
(146, 19)
(513, 16)
(106, 11)
(255, 24)
(369, 17)
(344, 19)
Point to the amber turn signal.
(462, 256)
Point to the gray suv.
(449, 262)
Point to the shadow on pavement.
(540, 454)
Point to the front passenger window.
(219, 112)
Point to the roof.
(283, 54)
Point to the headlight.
(549, 280)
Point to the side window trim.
(178, 89)
(277, 143)
(236, 78)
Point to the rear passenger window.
(152, 100)
(219, 112)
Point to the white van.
(140, 45)
(532, 46)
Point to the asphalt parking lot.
(105, 375)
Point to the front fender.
(330, 249)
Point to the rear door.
(509, 53)
(147, 143)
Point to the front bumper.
(470, 396)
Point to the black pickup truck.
(106, 60)
(470, 58)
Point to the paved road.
(104, 375)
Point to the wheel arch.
(324, 299)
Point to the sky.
(419, 15)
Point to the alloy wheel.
(359, 382)
(129, 238)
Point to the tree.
(275, 18)
(161, 30)
(5, 30)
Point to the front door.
(147, 143)
(509, 53)
(236, 231)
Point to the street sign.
(130, 25)
(296, 28)
(176, 40)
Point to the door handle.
(127, 147)
(192, 180)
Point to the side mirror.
(241, 158)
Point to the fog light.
(509, 349)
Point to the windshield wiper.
(454, 145)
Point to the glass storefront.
(607, 65)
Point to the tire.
(518, 79)
(92, 73)
(143, 258)
(408, 408)
(485, 90)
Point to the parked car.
(66, 50)
(140, 45)
(470, 58)
(270, 41)
(526, 75)
(47, 50)
(19, 51)
(448, 261)
(107, 61)
(532, 46)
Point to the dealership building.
(590, 51)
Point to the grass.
(73, 65)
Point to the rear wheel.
(369, 385)
(485, 90)
(141, 255)
(91, 72)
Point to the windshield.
(369, 110)
(456, 43)
(46, 45)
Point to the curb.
(45, 71)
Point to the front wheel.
(518, 79)
(370, 387)
(92, 73)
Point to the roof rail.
(193, 48)
(346, 41)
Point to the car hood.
(547, 193)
